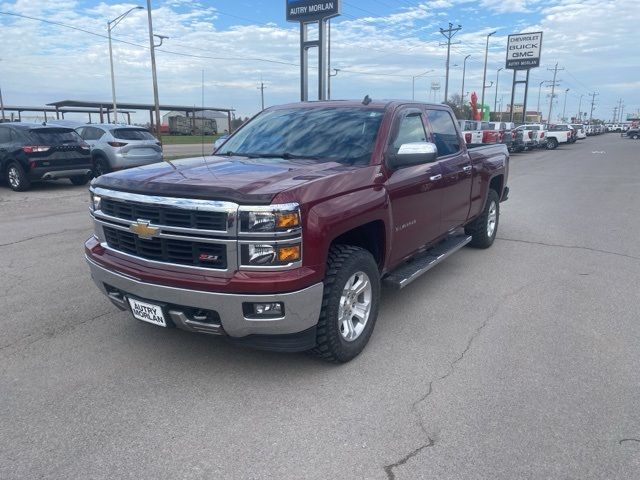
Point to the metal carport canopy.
(107, 107)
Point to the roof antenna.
(367, 100)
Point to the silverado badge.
(143, 229)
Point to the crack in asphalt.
(629, 440)
(571, 247)
(51, 333)
(451, 369)
(44, 235)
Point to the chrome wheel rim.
(14, 177)
(492, 219)
(355, 306)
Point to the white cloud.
(43, 63)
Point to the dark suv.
(35, 152)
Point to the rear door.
(455, 164)
(5, 146)
(414, 191)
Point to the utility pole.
(580, 108)
(564, 107)
(261, 88)
(614, 117)
(619, 118)
(448, 34)
(553, 89)
(593, 101)
(152, 45)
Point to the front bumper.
(301, 308)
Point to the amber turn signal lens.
(289, 253)
(287, 220)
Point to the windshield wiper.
(239, 154)
(287, 156)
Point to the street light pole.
(464, 71)
(495, 100)
(110, 26)
(153, 46)
(413, 82)
(539, 92)
(564, 107)
(484, 75)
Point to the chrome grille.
(180, 252)
(171, 217)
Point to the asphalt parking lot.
(521, 361)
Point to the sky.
(382, 48)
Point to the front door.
(414, 191)
(456, 169)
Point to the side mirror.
(219, 141)
(410, 154)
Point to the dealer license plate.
(147, 312)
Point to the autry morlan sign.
(312, 10)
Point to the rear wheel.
(100, 166)
(17, 177)
(349, 304)
(635, 136)
(79, 180)
(483, 230)
(552, 143)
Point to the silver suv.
(116, 147)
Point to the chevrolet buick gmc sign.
(523, 50)
(312, 10)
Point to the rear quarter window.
(54, 136)
(132, 134)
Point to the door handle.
(467, 168)
(435, 178)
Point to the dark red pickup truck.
(281, 239)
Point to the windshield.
(55, 136)
(344, 134)
(132, 134)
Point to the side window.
(81, 132)
(445, 135)
(5, 135)
(411, 129)
(92, 133)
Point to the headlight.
(94, 201)
(269, 255)
(275, 218)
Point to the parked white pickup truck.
(471, 132)
(559, 133)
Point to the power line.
(553, 89)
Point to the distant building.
(221, 118)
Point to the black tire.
(17, 177)
(479, 228)
(100, 166)
(344, 262)
(635, 136)
(79, 180)
(552, 143)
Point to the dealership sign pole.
(523, 53)
(308, 13)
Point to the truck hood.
(234, 179)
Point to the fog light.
(268, 308)
(263, 310)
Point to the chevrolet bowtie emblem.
(143, 229)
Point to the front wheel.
(552, 143)
(483, 230)
(349, 304)
(635, 136)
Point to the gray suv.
(116, 147)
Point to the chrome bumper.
(301, 308)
